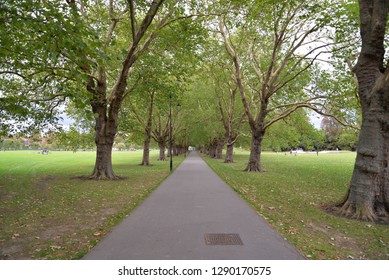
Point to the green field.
(290, 195)
(47, 213)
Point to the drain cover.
(222, 239)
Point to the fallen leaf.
(292, 231)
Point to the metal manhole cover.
(222, 239)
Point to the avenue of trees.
(246, 73)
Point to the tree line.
(120, 65)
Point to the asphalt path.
(193, 215)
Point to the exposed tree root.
(364, 213)
(106, 178)
(100, 178)
(228, 161)
(252, 168)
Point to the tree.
(294, 131)
(32, 80)
(169, 63)
(82, 50)
(272, 51)
(368, 194)
(201, 116)
(147, 124)
(75, 138)
(348, 140)
(332, 131)
(231, 114)
(161, 132)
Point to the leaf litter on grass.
(56, 217)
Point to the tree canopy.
(239, 68)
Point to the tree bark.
(105, 134)
(219, 149)
(146, 152)
(229, 153)
(162, 148)
(212, 150)
(146, 147)
(254, 164)
(368, 194)
(103, 167)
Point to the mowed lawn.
(290, 195)
(46, 212)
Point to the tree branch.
(231, 52)
(133, 18)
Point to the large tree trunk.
(254, 164)
(368, 194)
(219, 149)
(162, 148)
(105, 134)
(103, 166)
(229, 153)
(146, 152)
(212, 151)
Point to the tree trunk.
(146, 152)
(175, 150)
(368, 195)
(103, 166)
(212, 151)
(219, 149)
(169, 152)
(104, 139)
(146, 148)
(162, 148)
(254, 164)
(229, 153)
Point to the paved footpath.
(178, 219)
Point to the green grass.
(46, 213)
(290, 195)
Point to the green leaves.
(41, 51)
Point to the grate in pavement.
(222, 239)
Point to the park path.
(179, 220)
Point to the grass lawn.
(290, 194)
(46, 213)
